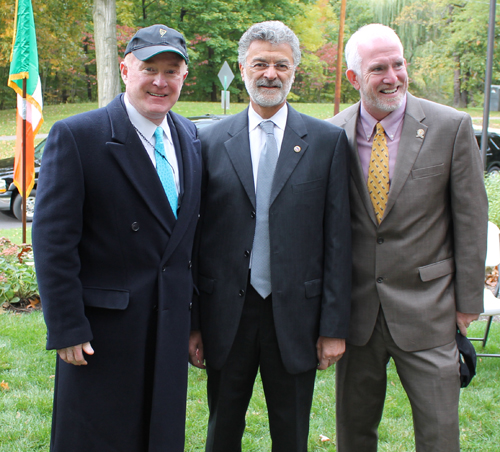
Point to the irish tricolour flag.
(24, 66)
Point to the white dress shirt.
(257, 136)
(146, 132)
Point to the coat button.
(135, 226)
(246, 253)
(190, 264)
(380, 280)
(252, 214)
(190, 306)
(164, 268)
(242, 293)
(380, 240)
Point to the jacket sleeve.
(57, 231)
(469, 207)
(335, 310)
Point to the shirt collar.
(144, 125)
(279, 118)
(390, 123)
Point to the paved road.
(8, 221)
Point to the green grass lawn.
(53, 113)
(28, 370)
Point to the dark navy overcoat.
(114, 268)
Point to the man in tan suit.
(419, 244)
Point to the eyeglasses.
(279, 67)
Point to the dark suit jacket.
(426, 259)
(309, 233)
(113, 268)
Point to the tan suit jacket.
(425, 260)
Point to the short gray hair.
(273, 31)
(366, 33)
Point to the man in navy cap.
(117, 206)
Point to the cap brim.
(149, 52)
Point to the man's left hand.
(464, 320)
(330, 350)
(196, 357)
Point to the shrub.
(17, 273)
(492, 184)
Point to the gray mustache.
(268, 84)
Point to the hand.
(330, 350)
(464, 320)
(74, 355)
(196, 357)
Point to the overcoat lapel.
(288, 159)
(190, 148)
(409, 148)
(238, 149)
(127, 149)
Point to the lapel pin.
(421, 133)
(297, 148)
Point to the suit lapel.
(238, 149)
(357, 174)
(288, 159)
(128, 151)
(409, 148)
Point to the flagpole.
(24, 161)
(338, 75)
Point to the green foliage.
(492, 184)
(445, 45)
(27, 370)
(17, 272)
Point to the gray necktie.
(261, 257)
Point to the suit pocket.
(308, 186)
(106, 298)
(205, 284)
(437, 270)
(314, 288)
(430, 171)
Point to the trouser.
(288, 397)
(430, 378)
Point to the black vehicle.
(11, 200)
(493, 150)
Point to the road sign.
(226, 76)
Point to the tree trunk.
(456, 82)
(106, 50)
(464, 94)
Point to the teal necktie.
(165, 172)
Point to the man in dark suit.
(273, 262)
(419, 221)
(113, 238)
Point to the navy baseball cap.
(150, 41)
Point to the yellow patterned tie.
(378, 173)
